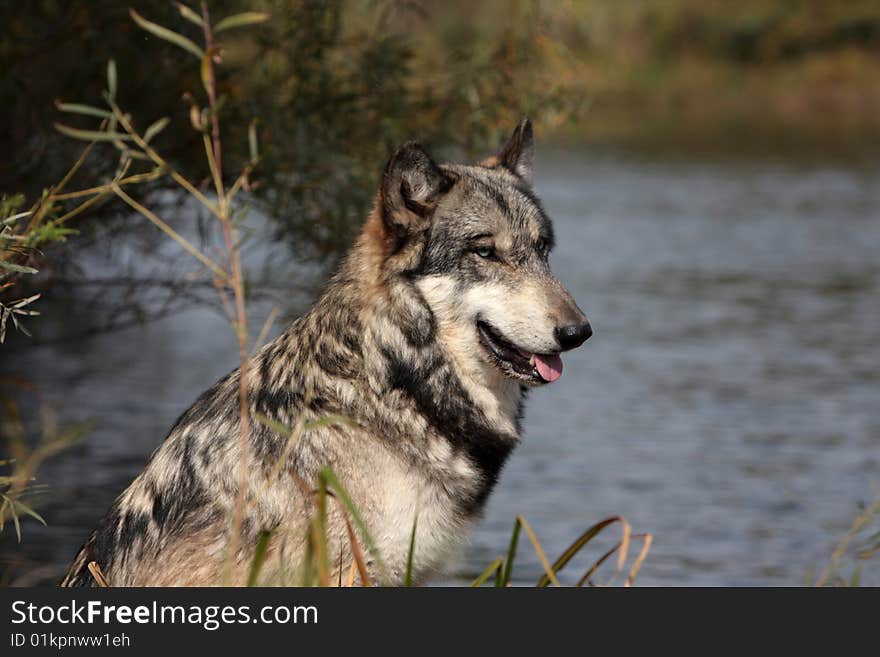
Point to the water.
(727, 403)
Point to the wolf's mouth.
(518, 363)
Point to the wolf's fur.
(392, 345)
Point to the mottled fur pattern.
(393, 346)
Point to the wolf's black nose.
(573, 335)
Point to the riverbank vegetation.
(314, 100)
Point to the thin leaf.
(278, 427)
(88, 110)
(20, 327)
(25, 509)
(21, 303)
(15, 217)
(111, 79)
(542, 557)
(308, 563)
(241, 20)
(357, 552)
(319, 535)
(329, 420)
(267, 325)
(166, 34)
(15, 522)
(21, 269)
(253, 145)
(259, 558)
(90, 135)
(586, 578)
(205, 71)
(189, 14)
(168, 230)
(511, 553)
(578, 544)
(340, 491)
(137, 155)
(648, 540)
(154, 129)
(493, 567)
(407, 580)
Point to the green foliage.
(337, 85)
(12, 503)
(15, 242)
(18, 492)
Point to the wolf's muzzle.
(573, 335)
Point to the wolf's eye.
(485, 252)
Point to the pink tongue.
(549, 367)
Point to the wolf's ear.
(519, 150)
(412, 185)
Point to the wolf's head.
(475, 242)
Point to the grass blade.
(358, 554)
(640, 559)
(494, 567)
(328, 420)
(278, 427)
(407, 581)
(504, 579)
(259, 558)
(538, 550)
(578, 544)
(340, 491)
(648, 539)
(319, 535)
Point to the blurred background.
(712, 171)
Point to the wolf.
(438, 321)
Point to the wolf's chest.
(409, 501)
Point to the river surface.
(728, 402)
